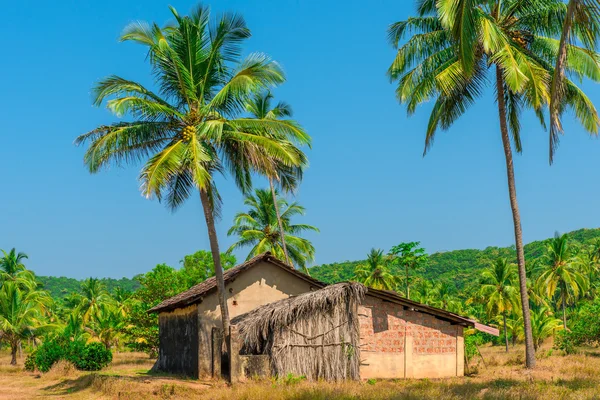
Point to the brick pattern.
(384, 324)
(431, 335)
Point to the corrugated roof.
(195, 293)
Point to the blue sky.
(368, 184)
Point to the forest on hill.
(461, 267)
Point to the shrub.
(47, 354)
(85, 357)
(564, 340)
(91, 357)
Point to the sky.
(368, 184)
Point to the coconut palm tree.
(13, 269)
(444, 297)
(562, 274)
(457, 47)
(92, 299)
(582, 16)
(498, 291)
(544, 325)
(192, 128)
(260, 107)
(259, 229)
(21, 314)
(374, 272)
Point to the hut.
(346, 331)
(315, 335)
(189, 322)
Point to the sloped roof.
(195, 293)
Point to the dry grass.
(502, 377)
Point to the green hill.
(463, 267)
(61, 286)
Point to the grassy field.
(502, 377)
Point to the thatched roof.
(196, 293)
(255, 326)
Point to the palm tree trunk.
(281, 232)
(505, 333)
(13, 353)
(564, 311)
(512, 190)
(407, 284)
(559, 75)
(216, 254)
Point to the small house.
(284, 321)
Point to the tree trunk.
(407, 284)
(564, 310)
(216, 254)
(510, 173)
(13, 353)
(505, 333)
(281, 232)
(556, 91)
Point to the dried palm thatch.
(315, 334)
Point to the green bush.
(565, 341)
(91, 357)
(85, 357)
(47, 354)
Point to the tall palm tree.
(498, 291)
(92, 299)
(192, 128)
(583, 16)
(259, 229)
(374, 272)
(457, 47)
(21, 314)
(562, 274)
(260, 107)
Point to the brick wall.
(383, 326)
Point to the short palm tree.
(13, 269)
(259, 229)
(374, 272)
(562, 274)
(544, 325)
(21, 314)
(444, 297)
(260, 107)
(458, 47)
(193, 127)
(108, 325)
(92, 299)
(498, 291)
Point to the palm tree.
(444, 297)
(259, 228)
(423, 291)
(192, 128)
(456, 44)
(374, 272)
(13, 269)
(498, 291)
(584, 17)
(108, 325)
(544, 325)
(562, 274)
(260, 108)
(21, 314)
(411, 257)
(93, 297)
